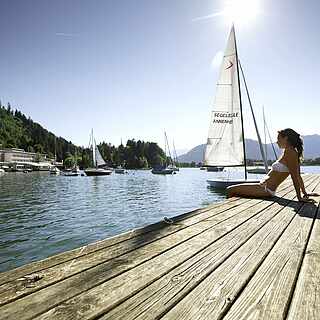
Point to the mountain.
(311, 150)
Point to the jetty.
(238, 259)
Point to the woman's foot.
(230, 193)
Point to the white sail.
(98, 157)
(93, 146)
(225, 139)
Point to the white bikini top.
(280, 167)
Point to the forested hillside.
(18, 131)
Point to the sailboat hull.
(257, 170)
(162, 171)
(97, 172)
(215, 169)
(224, 183)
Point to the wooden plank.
(105, 293)
(305, 304)
(268, 293)
(20, 287)
(106, 243)
(212, 298)
(204, 287)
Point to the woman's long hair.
(294, 139)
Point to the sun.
(236, 11)
(241, 11)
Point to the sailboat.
(164, 169)
(97, 160)
(120, 170)
(174, 161)
(55, 170)
(226, 144)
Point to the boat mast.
(93, 150)
(55, 149)
(270, 139)
(241, 112)
(265, 134)
(167, 145)
(254, 120)
(175, 154)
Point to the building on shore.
(15, 159)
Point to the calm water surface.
(42, 215)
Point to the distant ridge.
(311, 150)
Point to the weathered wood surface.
(239, 259)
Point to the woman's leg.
(248, 189)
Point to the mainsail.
(98, 157)
(225, 145)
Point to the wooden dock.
(238, 259)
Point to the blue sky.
(131, 69)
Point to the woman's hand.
(312, 194)
(306, 199)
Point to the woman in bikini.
(288, 163)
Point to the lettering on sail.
(224, 117)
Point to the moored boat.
(258, 170)
(55, 171)
(162, 170)
(214, 169)
(97, 172)
(226, 142)
(119, 170)
(97, 161)
(222, 183)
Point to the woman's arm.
(293, 166)
(302, 184)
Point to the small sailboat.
(225, 144)
(175, 162)
(174, 158)
(55, 170)
(120, 170)
(74, 171)
(97, 161)
(164, 169)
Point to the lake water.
(42, 215)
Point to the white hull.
(55, 171)
(224, 183)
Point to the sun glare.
(241, 11)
